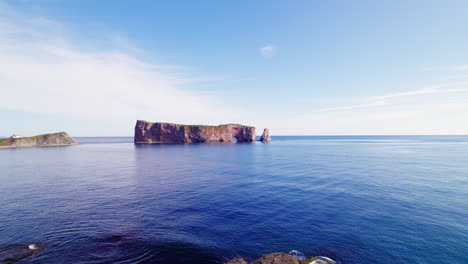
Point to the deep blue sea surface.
(356, 199)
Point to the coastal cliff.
(146, 132)
(54, 139)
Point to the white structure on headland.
(16, 136)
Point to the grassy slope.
(43, 135)
(5, 142)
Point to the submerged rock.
(308, 260)
(265, 136)
(146, 132)
(14, 253)
(277, 258)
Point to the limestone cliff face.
(146, 132)
(55, 139)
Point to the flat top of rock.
(50, 134)
(194, 125)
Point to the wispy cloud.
(388, 99)
(427, 90)
(268, 51)
(43, 72)
(351, 107)
(445, 88)
(461, 68)
(443, 118)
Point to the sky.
(92, 68)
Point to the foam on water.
(297, 254)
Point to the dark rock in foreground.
(146, 132)
(236, 261)
(54, 139)
(283, 258)
(13, 254)
(265, 136)
(277, 258)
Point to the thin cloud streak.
(386, 100)
(441, 118)
(447, 88)
(461, 68)
(350, 107)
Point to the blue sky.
(298, 67)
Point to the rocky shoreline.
(284, 258)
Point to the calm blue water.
(360, 199)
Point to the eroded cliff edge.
(147, 132)
(46, 140)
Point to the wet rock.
(277, 258)
(308, 260)
(265, 136)
(236, 261)
(321, 260)
(14, 253)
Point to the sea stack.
(147, 133)
(265, 138)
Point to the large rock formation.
(54, 139)
(265, 138)
(146, 132)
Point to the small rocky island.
(146, 132)
(46, 140)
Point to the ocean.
(355, 199)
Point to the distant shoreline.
(39, 146)
(44, 140)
